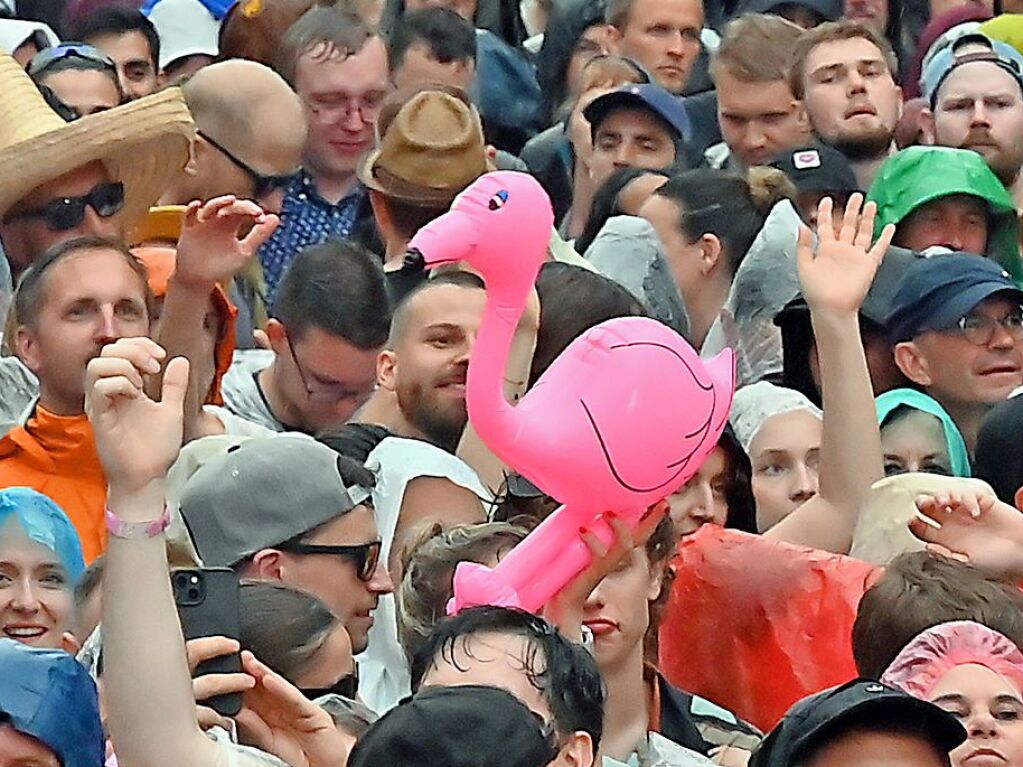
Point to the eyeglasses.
(50, 56)
(262, 184)
(66, 213)
(979, 329)
(347, 687)
(327, 393)
(366, 556)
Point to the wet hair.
(564, 673)
(429, 565)
(831, 31)
(119, 20)
(283, 627)
(756, 48)
(726, 205)
(325, 32)
(919, 590)
(573, 300)
(447, 35)
(28, 297)
(338, 287)
(606, 202)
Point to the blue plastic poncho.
(45, 523)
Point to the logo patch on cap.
(874, 688)
(809, 159)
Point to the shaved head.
(251, 111)
(405, 311)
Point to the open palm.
(838, 275)
(137, 438)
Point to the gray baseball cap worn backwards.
(262, 493)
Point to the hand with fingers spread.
(838, 275)
(218, 238)
(565, 610)
(975, 528)
(137, 438)
(277, 718)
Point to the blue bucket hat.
(50, 696)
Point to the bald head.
(251, 111)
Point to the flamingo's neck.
(485, 384)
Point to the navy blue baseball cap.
(815, 721)
(50, 696)
(649, 97)
(936, 292)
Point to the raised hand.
(218, 238)
(277, 718)
(975, 528)
(137, 438)
(838, 275)
(565, 610)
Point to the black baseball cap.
(465, 726)
(817, 169)
(815, 720)
(937, 292)
(649, 97)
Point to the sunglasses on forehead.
(365, 556)
(262, 184)
(66, 213)
(50, 56)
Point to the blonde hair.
(832, 31)
(756, 48)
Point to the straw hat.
(432, 150)
(143, 144)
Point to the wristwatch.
(133, 531)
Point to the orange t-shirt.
(56, 455)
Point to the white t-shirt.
(383, 672)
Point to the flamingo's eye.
(498, 200)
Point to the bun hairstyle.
(730, 207)
(769, 186)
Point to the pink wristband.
(137, 530)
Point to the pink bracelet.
(119, 528)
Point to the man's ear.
(277, 336)
(928, 130)
(27, 349)
(387, 366)
(614, 39)
(267, 565)
(1018, 499)
(913, 363)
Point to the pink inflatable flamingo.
(621, 419)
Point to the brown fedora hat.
(431, 151)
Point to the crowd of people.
(246, 468)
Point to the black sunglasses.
(262, 184)
(69, 212)
(365, 556)
(347, 687)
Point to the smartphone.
(207, 602)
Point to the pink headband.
(934, 652)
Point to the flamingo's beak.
(446, 240)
